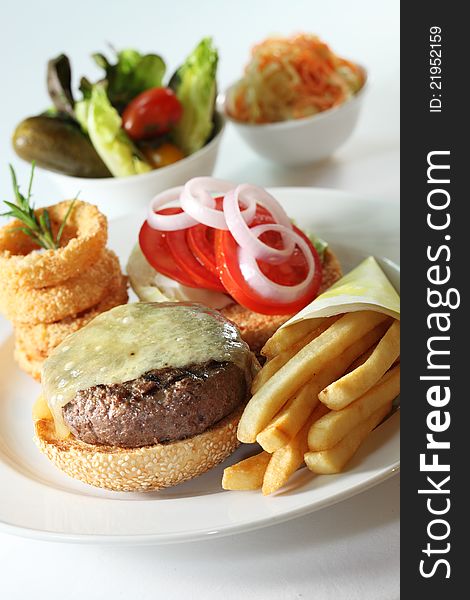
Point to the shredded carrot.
(291, 78)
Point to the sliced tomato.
(200, 239)
(153, 244)
(236, 291)
(205, 258)
(168, 253)
(291, 272)
(185, 259)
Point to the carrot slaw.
(292, 78)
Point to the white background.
(348, 551)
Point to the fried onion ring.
(22, 263)
(26, 362)
(49, 304)
(42, 338)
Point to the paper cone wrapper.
(364, 288)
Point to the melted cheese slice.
(127, 341)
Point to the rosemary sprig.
(36, 227)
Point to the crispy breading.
(73, 296)
(42, 338)
(24, 264)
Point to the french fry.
(273, 365)
(298, 409)
(291, 418)
(334, 459)
(360, 360)
(285, 461)
(283, 339)
(351, 386)
(269, 399)
(247, 474)
(332, 428)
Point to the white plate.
(39, 501)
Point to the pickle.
(58, 145)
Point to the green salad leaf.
(103, 124)
(194, 83)
(319, 245)
(85, 87)
(81, 113)
(132, 74)
(59, 82)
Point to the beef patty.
(160, 406)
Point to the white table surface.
(348, 551)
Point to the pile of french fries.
(327, 383)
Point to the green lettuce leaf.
(103, 124)
(317, 242)
(132, 74)
(319, 245)
(195, 85)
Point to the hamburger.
(206, 250)
(145, 396)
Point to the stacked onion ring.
(48, 294)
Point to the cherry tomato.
(163, 155)
(151, 113)
(289, 273)
(153, 244)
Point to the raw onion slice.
(168, 222)
(198, 202)
(265, 287)
(244, 236)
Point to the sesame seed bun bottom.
(139, 469)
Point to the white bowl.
(117, 196)
(302, 141)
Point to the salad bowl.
(301, 141)
(297, 100)
(117, 196)
(118, 141)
